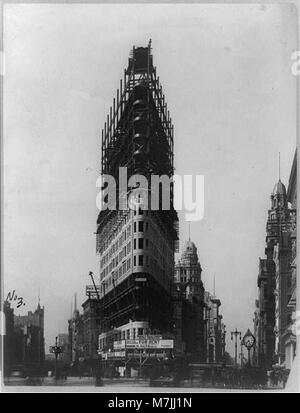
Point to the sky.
(226, 74)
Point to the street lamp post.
(249, 342)
(242, 354)
(99, 367)
(56, 350)
(235, 334)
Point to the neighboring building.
(274, 318)
(215, 340)
(289, 335)
(8, 339)
(271, 285)
(91, 328)
(29, 337)
(198, 329)
(76, 342)
(283, 314)
(265, 314)
(188, 299)
(256, 333)
(136, 247)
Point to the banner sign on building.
(143, 343)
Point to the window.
(141, 243)
(128, 334)
(147, 243)
(141, 260)
(140, 331)
(147, 226)
(134, 244)
(134, 261)
(134, 227)
(141, 226)
(147, 260)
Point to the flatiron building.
(136, 246)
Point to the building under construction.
(136, 246)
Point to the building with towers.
(198, 327)
(188, 296)
(276, 280)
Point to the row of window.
(123, 269)
(139, 226)
(138, 260)
(189, 272)
(116, 260)
(118, 230)
(189, 279)
(139, 243)
(116, 245)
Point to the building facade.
(91, 329)
(188, 299)
(215, 340)
(29, 337)
(265, 314)
(199, 332)
(9, 345)
(274, 318)
(289, 335)
(76, 339)
(136, 244)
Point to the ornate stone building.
(198, 324)
(91, 329)
(76, 338)
(289, 335)
(215, 342)
(276, 304)
(29, 337)
(188, 298)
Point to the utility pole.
(235, 334)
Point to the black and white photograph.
(149, 199)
